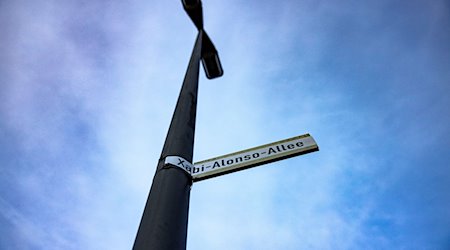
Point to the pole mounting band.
(180, 162)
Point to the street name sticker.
(253, 157)
(180, 162)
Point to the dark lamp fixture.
(210, 58)
(194, 10)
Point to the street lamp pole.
(165, 218)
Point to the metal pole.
(165, 218)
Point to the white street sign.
(253, 157)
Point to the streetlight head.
(194, 9)
(212, 66)
(191, 3)
(210, 58)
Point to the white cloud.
(90, 89)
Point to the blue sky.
(87, 90)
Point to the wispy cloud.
(87, 92)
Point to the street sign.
(253, 157)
